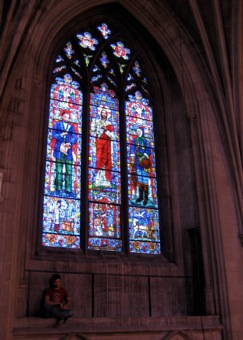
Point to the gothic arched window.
(100, 190)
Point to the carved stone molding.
(38, 79)
(191, 115)
(241, 239)
(1, 186)
(178, 335)
(75, 336)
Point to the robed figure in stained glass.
(140, 160)
(65, 137)
(103, 130)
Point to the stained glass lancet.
(142, 185)
(104, 171)
(62, 194)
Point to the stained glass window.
(100, 189)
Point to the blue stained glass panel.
(104, 221)
(144, 230)
(134, 195)
(104, 148)
(65, 90)
(61, 205)
(137, 107)
(75, 111)
(76, 147)
(134, 128)
(61, 216)
(103, 118)
(137, 133)
(60, 241)
(102, 189)
(103, 127)
(148, 168)
(104, 182)
(103, 96)
(50, 181)
(104, 244)
(139, 247)
(63, 149)
(142, 184)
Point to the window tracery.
(98, 76)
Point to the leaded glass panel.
(104, 227)
(62, 191)
(142, 184)
(99, 89)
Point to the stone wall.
(200, 108)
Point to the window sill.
(39, 328)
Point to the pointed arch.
(100, 190)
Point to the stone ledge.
(36, 327)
